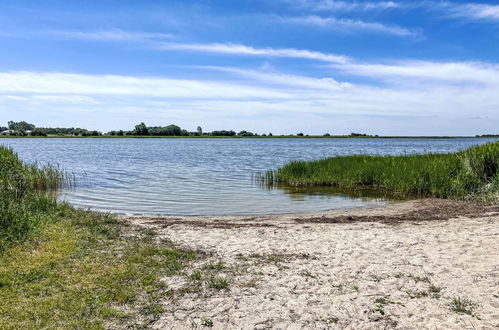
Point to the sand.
(399, 266)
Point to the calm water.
(204, 176)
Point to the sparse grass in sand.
(464, 305)
(472, 173)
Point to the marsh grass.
(26, 200)
(471, 173)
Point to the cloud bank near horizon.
(313, 65)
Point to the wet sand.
(404, 266)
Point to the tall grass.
(25, 198)
(469, 173)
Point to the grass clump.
(24, 199)
(472, 172)
(207, 322)
(464, 305)
(217, 283)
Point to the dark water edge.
(208, 176)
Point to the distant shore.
(242, 137)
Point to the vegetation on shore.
(24, 129)
(472, 173)
(66, 268)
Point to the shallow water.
(205, 176)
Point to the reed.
(470, 173)
(25, 196)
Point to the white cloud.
(474, 11)
(471, 72)
(281, 79)
(64, 83)
(119, 101)
(110, 35)
(333, 5)
(238, 49)
(350, 25)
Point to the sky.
(282, 66)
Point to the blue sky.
(281, 66)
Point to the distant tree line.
(488, 135)
(23, 128)
(362, 135)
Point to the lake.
(205, 176)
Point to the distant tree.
(358, 135)
(245, 133)
(270, 134)
(38, 132)
(3, 129)
(141, 129)
(223, 133)
(119, 133)
(327, 134)
(299, 134)
(20, 126)
(200, 130)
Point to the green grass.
(470, 173)
(66, 268)
(24, 199)
(81, 272)
(463, 305)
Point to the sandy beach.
(426, 264)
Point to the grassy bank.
(470, 173)
(67, 268)
(25, 201)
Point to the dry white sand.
(289, 274)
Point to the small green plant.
(435, 291)
(381, 302)
(196, 276)
(463, 305)
(152, 309)
(417, 294)
(206, 322)
(217, 283)
(333, 320)
(424, 279)
(214, 266)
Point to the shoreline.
(403, 265)
(246, 137)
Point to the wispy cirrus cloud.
(333, 5)
(238, 49)
(157, 41)
(474, 11)
(468, 10)
(463, 72)
(57, 83)
(286, 97)
(349, 25)
(109, 35)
